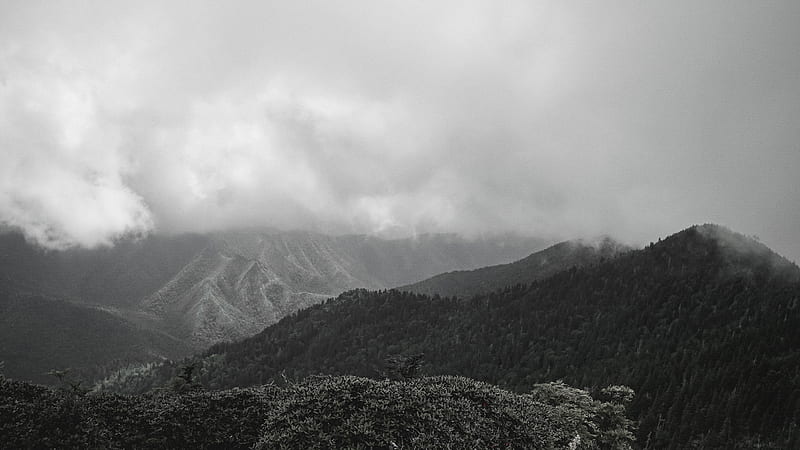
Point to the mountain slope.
(118, 276)
(218, 297)
(191, 291)
(537, 266)
(244, 281)
(703, 325)
(39, 334)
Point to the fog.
(559, 119)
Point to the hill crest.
(536, 266)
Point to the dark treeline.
(704, 330)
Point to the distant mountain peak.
(724, 238)
(536, 266)
(734, 254)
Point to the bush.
(434, 412)
(319, 412)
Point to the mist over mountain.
(537, 266)
(702, 325)
(110, 276)
(542, 117)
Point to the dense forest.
(321, 412)
(702, 325)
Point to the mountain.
(39, 334)
(539, 265)
(190, 291)
(243, 281)
(702, 325)
(118, 276)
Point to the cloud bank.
(552, 118)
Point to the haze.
(558, 119)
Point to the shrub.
(318, 412)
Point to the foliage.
(186, 381)
(135, 378)
(68, 382)
(319, 412)
(38, 417)
(400, 367)
(434, 412)
(603, 421)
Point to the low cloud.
(61, 170)
(544, 118)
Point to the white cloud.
(61, 169)
(396, 117)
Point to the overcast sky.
(561, 119)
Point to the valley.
(188, 292)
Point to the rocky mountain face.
(242, 281)
(196, 290)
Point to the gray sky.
(560, 118)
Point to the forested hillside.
(537, 266)
(703, 326)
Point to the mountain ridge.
(701, 327)
(201, 289)
(534, 267)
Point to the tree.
(186, 381)
(399, 367)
